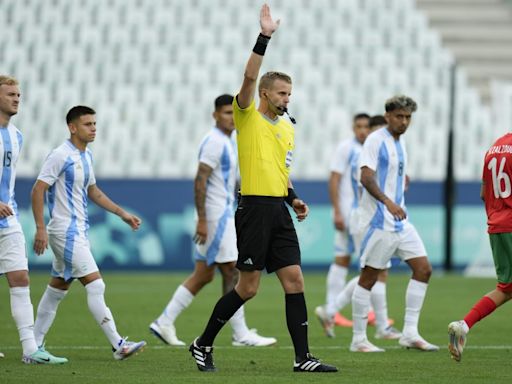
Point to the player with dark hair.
(496, 192)
(266, 236)
(67, 177)
(352, 235)
(215, 237)
(388, 232)
(343, 192)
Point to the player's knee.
(207, 277)
(96, 287)
(423, 272)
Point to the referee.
(266, 236)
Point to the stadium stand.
(151, 69)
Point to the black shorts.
(265, 233)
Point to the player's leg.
(383, 328)
(21, 309)
(48, 305)
(13, 262)
(327, 314)
(95, 288)
(501, 244)
(377, 246)
(412, 250)
(338, 270)
(80, 264)
(163, 327)
(361, 299)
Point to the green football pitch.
(136, 299)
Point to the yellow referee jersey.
(265, 151)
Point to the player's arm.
(41, 237)
(298, 205)
(334, 189)
(252, 68)
(99, 198)
(203, 173)
(482, 191)
(368, 181)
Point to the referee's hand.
(301, 209)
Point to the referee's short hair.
(223, 100)
(401, 102)
(78, 111)
(267, 79)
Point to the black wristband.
(291, 196)
(261, 44)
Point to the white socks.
(336, 278)
(342, 299)
(102, 315)
(238, 324)
(414, 297)
(23, 315)
(360, 309)
(46, 312)
(380, 305)
(180, 300)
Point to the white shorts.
(220, 246)
(13, 255)
(72, 257)
(343, 243)
(378, 246)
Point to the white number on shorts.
(498, 177)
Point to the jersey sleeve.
(52, 168)
(241, 116)
(339, 160)
(92, 176)
(211, 153)
(370, 153)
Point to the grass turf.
(136, 299)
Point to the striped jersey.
(217, 150)
(388, 158)
(10, 147)
(69, 173)
(346, 162)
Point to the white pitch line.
(97, 347)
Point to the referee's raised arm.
(252, 69)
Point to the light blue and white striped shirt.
(388, 158)
(217, 150)
(345, 162)
(69, 173)
(11, 141)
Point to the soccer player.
(326, 314)
(266, 236)
(13, 257)
(496, 192)
(215, 235)
(68, 177)
(388, 232)
(343, 189)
